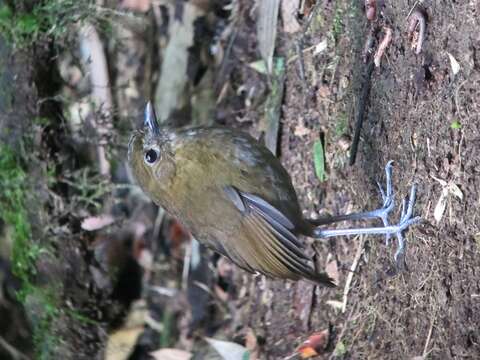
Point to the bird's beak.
(150, 120)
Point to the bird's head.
(149, 155)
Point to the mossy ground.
(14, 200)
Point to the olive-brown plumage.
(231, 192)
(235, 197)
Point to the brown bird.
(235, 197)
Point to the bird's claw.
(388, 198)
(406, 218)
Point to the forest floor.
(422, 112)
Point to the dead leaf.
(314, 345)
(250, 340)
(136, 5)
(332, 270)
(259, 66)
(121, 343)
(382, 47)
(251, 344)
(307, 7)
(440, 181)
(455, 191)
(320, 47)
(454, 64)
(171, 354)
(338, 305)
(93, 223)
(289, 16)
(323, 91)
(476, 237)
(441, 205)
(448, 188)
(228, 350)
(301, 130)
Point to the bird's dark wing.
(270, 243)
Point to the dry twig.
(387, 39)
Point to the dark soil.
(432, 309)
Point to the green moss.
(45, 339)
(49, 17)
(13, 212)
(25, 252)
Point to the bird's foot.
(406, 219)
(388, 199)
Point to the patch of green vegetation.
(340, 349)
(317, 23)
(341, 125)
(456, 125)
(337, 29)
(44, 338)
(25, 252)
(48, 17)
(89, 187)
(319, 161)
(41, 121)
(13, 212)
(75, 314)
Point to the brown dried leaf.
(382, 47)
(301, 130)
(332, 270)
(314, 345)
(323, 91)
(136, 5)
(251, 344)
(93, 223)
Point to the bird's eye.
(151, 156)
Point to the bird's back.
(207, 159)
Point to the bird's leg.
(406, 218)
(382, 213)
